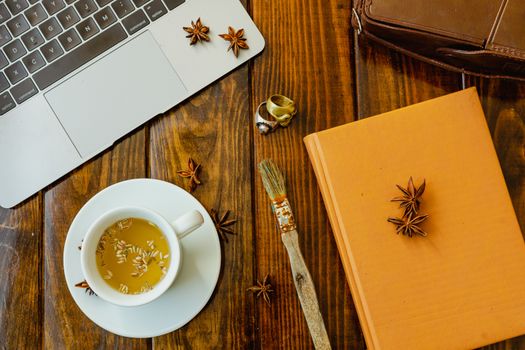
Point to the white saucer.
(201, 261)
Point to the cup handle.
(187, 223)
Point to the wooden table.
(312, 55)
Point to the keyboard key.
(53, 6)
(14, 50)
(76, 58)
(32, 2)
(6, 103)
(16, 72)
(23, 91)
(34, 61)
(50, 28)
(69, 39)
(122, 7)
(85, 7)
(18, 25)
(5, 36)
(4, 14)
(135, 22)
(105, 17)
(69, 2)
(4, 84)
(52, 50)
(3, 60)
(36, 14)
(16, 6)
(139, 3)
(102, 3)
(173, 3)
(68, 17)
(32, 39)
(87, 28)
(155, 10)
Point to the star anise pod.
(410, 201)
(409, 226)
(264, 289)
(86, 286)
(192, 174)
(222, 223)
(197, 32)
(236, 40)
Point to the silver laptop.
(76, 75)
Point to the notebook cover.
(461, 287)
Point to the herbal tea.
(133, 255)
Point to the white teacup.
(173, 232)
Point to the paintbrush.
(275, 185)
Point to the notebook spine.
(313, 148)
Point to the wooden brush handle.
(306, 291)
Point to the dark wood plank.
(65, 326)
(387, 80)
(504, 105)
(20, 275)
(213, 129)
(308, 57)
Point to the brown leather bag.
(480, 37)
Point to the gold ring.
(281, 108)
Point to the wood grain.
(65, 326)
(308, 58)
(213, 129)
(387, 80)
(312, 57)
(21, 276)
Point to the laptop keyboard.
(42, 41)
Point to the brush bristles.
(273, 179)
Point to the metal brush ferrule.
(284, 215)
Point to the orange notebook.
(462, 286)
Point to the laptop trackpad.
(116, 94)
